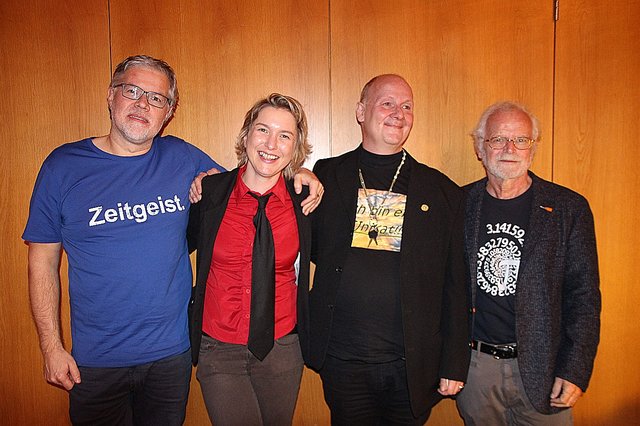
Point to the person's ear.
(360, 108)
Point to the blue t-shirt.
(122, 222)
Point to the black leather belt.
(498, 351)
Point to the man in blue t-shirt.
(118, 205)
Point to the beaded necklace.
(373, 210)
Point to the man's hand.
(564, 394)
(450, 387)
(316, 190)
(60, 368)
(195, 190)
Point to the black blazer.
(557, 292)
(434, 299)
(204, 221)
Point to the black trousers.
(359, 393)
(148, 394)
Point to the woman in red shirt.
(248, 312)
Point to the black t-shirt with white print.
(503, 228)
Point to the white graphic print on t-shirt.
(137, 212)
(499, 259)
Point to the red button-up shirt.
(227, 303)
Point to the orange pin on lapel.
(549, 209)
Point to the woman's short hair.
(301, 147)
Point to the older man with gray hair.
(531, 252)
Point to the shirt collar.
(241, 190)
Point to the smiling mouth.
(266, 156)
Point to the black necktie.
(263, 284)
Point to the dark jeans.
(368, 394)
(240, 390)
(148, 394)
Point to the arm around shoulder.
(307, 177)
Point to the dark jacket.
(204, 221)
(434, 300)
(557, 292)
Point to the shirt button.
(246, 290)
(246, 315)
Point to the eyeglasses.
(131, 91)
(499, 142)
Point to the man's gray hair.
(149, 62)
(479, 134)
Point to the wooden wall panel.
(596, 152)
(459, 56)
(55, 73)
(226, 56)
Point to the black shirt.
(367, 319)
(503, 228)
